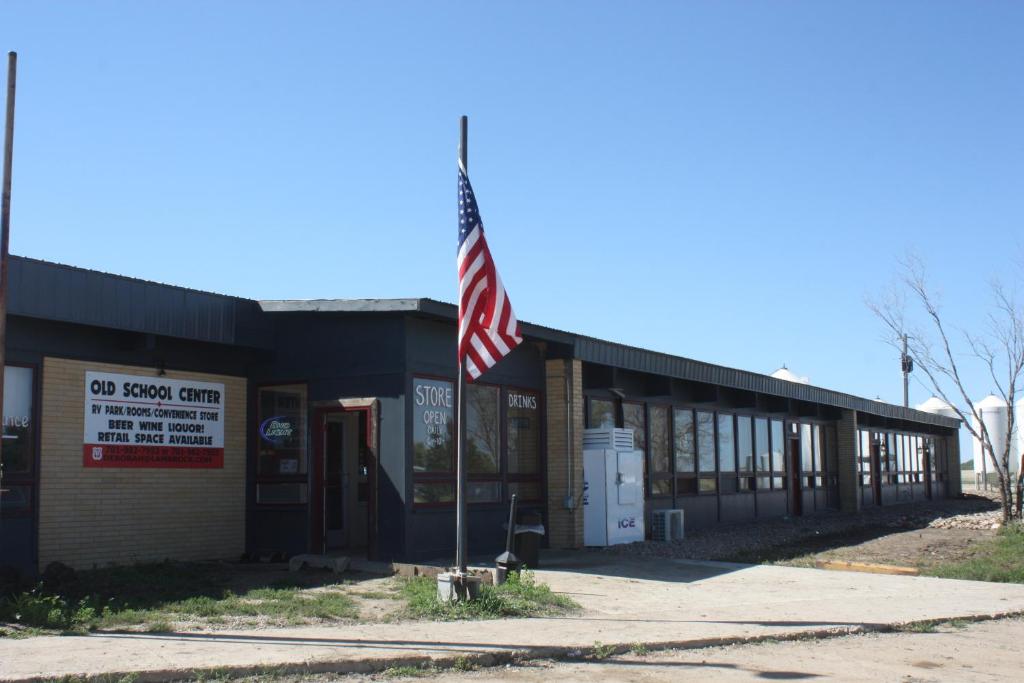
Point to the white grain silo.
(790, 376)
(937, 406)
(1017, 452)
(993, 413)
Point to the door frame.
(317, 534)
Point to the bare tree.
(999, 348)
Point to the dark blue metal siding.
(39, 289)
(630, 358)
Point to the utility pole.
(908, 367)
(5, 232)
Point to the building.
(145, 421)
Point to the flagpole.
(5, 231)
(460, 464)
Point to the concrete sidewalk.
(656, 602)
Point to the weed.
(639, 649)
(159, 627)
(918, 627)
(601, 651)
(519, 596)
(408, 671)
(463, 663)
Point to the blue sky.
(726, 181)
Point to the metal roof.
(616, 355)
(54, 291)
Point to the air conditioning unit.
(616, 439)
(667, 525)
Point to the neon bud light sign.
(276, 429)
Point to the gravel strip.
(745, 541)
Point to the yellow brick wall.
(565, 525)
(98, 516)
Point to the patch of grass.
(601, 651)
(519, 596)
(463, 663)
(157, 594)
(408, 671)
(376, 595)
(919, 627)
(1000, 560)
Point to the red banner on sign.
(113, 455)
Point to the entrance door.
(335, 480)
(796, 494)
(340, 511)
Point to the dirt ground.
(921, 548)
(985, 651)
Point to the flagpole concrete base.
(458, 587)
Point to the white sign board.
(139, 421)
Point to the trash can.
(529, 530)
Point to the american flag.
(488, 329)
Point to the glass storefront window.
(281, 493)
(778, 448)
(706, 442)
(633, 418)
(661, 462)
(685, 448)
(523, 430)
(482, 435)
(483, 491)
(433, 419)
(433, 492)
(600, 413)
(18, 452)
(282, 431)
(726, 444)
(744, 444)
(806, 449)
(762, 446)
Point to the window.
(18, 421)
(762, 447)
(281, 447)
(633, 418)
(819, 456)
(502, 442)
(726, 453)
(481, 429)
(600, 413)
(685, 452)
(523, 433)
(433, 432)
(745, 453)
(522, 430)
(706, 451)
(807, 451)
(19, 448)
(482, 444)
(661, 463)
(778, 455)
(864, 459)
